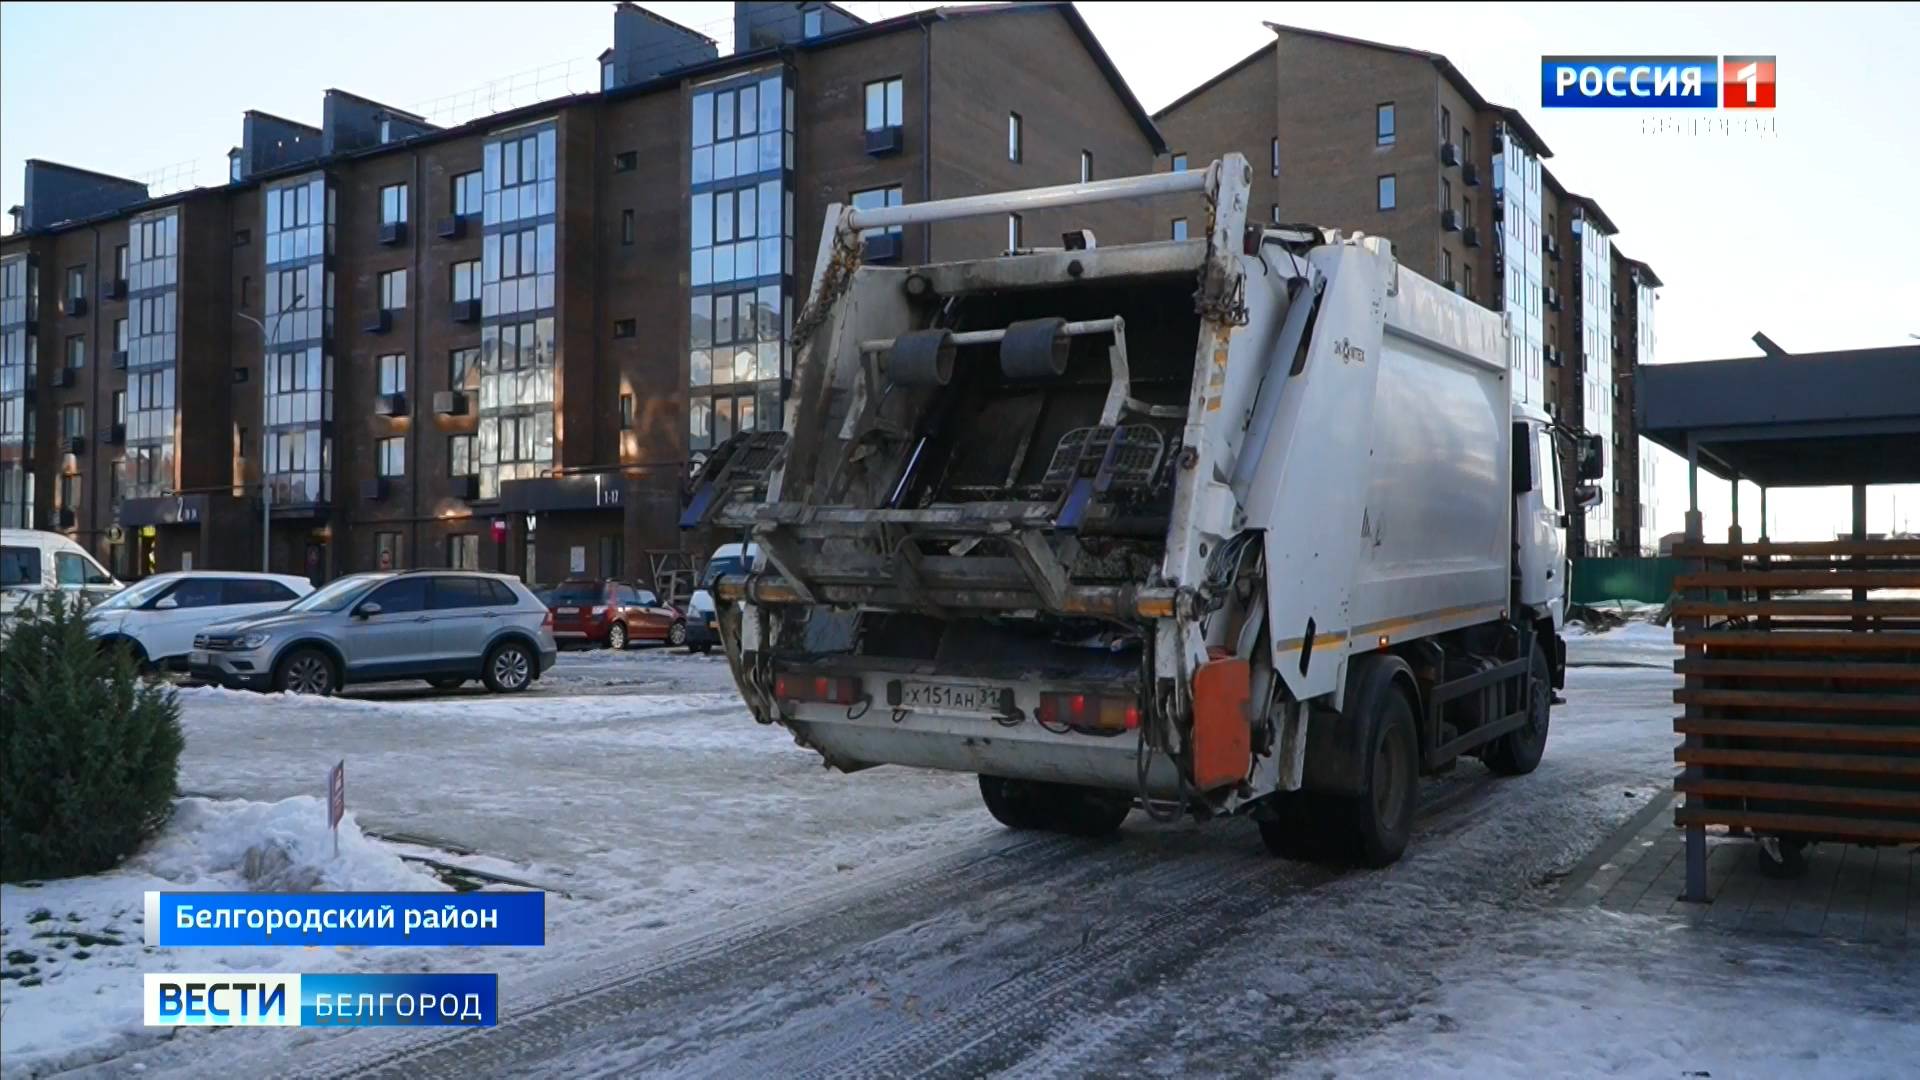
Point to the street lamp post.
(266, 489)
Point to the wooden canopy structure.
(1801, 697)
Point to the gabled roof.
(1646, 272)
(1454, 75)
(1217, 79)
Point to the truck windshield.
(721, 567)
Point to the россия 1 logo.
(1657, 82)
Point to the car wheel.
(305, 671)
(677, 634)
(701, 649)
(509, 668)
(617, 636)
(134, 650)
(448, 683)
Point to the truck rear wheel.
(1297, 828)
(1064, 808)
(1519, 753)
(1380, 819)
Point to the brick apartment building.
(1395, 142)
(502, 345)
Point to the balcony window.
(393, 290)
(393, 204)
(886, 104)
(393, 456)
(393, 373)
(466, 194)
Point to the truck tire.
(1017, 804)
(1062, 808)
(1518, 753)
(1379, 821)
(1297, 828)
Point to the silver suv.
(442, 626)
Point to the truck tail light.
(1089, 712)
(826, 689)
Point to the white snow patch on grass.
(75, 948)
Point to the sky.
(1806, 233)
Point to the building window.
(1179, 228)
(1276, 213)
(625, 328)
(462, 364)
(1385, 184)
(1273, 150)
(626, 227)
(462, 459)
(1179, 163)
(1466, 271)
(73, 421)
(1446, 124)
(120, 262)
(1383, 124)
(119, 406)
(466, 280)
(393, 290)
(1446, 194)
(76, 353)
(1446, 267)
(1014, 137)
(626, 161)
(1086, 166)
(886, 104)
(466, 194)
(70, 494)
(393, 456)
(875, 199)
(518, 268)
(76, 283)
(393, 204)
(1466, 145)
(246, 290)
(463, 550)
(386, 556)
(393, 373)
(626, 412)
(1013, 232)
(1466, 212)
(810, 23)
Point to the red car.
(614, 613)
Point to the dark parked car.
(614, 613)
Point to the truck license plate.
(197, 658)
(947, 697)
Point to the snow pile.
(283, 846)
(75, 948)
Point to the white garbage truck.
(1243, 524)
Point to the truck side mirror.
(1593, 457)
(1587, 496)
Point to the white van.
(34, 563)
(703, 630)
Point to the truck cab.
(1241, 525)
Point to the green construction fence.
(1603, 581)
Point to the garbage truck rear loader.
(1241, 524)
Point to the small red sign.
(1746, 82)
(499, 530)
(337, 794)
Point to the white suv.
(158, 617)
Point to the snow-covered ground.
(732, 908)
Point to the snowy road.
(736, 911)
